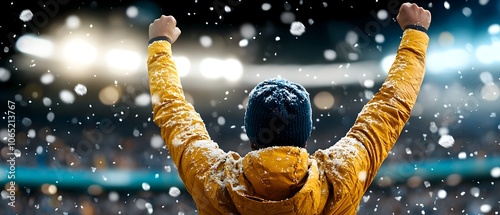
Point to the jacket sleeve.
(181, 126)
(380, 122)
(352, 163)
(382, 119)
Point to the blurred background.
(73, 75)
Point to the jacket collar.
(280, 180)
(276, 173)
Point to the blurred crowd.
(471, 197)
(87, 144)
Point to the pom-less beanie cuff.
(278, 114)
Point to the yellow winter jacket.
(285, 180)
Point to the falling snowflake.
(297, 28)
(66, 96)
(446, 141)
(174, 191)
(145, 186)
(149, 207)
(80, 89)
(50, 116)
(26, 15)
(4, 75)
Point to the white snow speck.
(495, 172)
(26, 15)
(382, 14)
(17, 153)
(149, 207)
(66, 96)
(50, 138)
(466, 11)
(47, 78)
(485, 208)
(446, 5)
(330, 54)
(168, 169)
(297, 28)
(446, 141)
(47, 101)
(266, 6)
(143, 99)
(442, 194)
(221, 120)
(483, 2)
(145, 186)
(366, 198)
(32, 133)
(132, 11)
(433, 128)
(157, 142)
(50, 116)
(462, 155)
(80, 89)
(243, 137)
(474, 191)
(4, 74)
(113, 196)
(174, 192)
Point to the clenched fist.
(412, 14)
(164, 26)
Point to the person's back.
(279, 176)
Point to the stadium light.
(210, 68)
(487, 54)
(183, 65)
(448, 60)
(230, 69)
(79, 52)
(33, 45)
(233, 69)
(386, 62)
(123, 60)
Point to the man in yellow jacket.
(279, 176)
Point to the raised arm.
(181, 126)
(352, 163)
(382, 119)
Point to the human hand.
(164, 26)
(412, 14)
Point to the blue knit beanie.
(278, 114)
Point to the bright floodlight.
(449, 60)
(123, 60)
(36, 46)
(211, 68)
(183, 65)
(233, 70)
(230, 69)
(80, 52)
(387, 63)
(486, 54)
